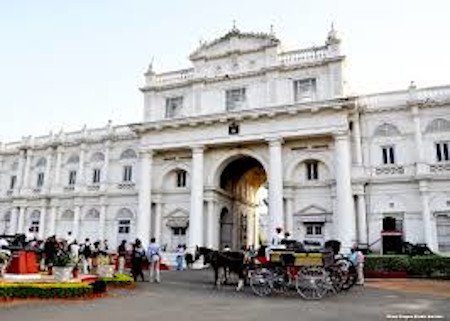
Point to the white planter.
(106, 271)
(62, 273)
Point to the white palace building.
(245, 126)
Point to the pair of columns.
(344, 218)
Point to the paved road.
(190, 296)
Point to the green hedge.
(119, 280)
(429, 265)
(44, 290)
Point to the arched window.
(438, 125)
(73, 159)
(124, 218)
(312, 170)
(386, 130)
(92, 214)
(128, 154)
(97, 157)
(34, 221)
(42, 162)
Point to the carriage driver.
(275, 243)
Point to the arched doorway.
(242, 180)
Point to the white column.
(21, 221)
(48, 165)
(427, 220)
(211, 219)
(158, 221)
(250, 230)
(52, 221)
(275, 186)
(56, 182)
(256, 226)
(357, 140)
(102, 220)
(20, 172)
(345, 214)
(80, 182)
(13, 223)
(26, 175)
(417, 135)
(196, 213)
(42, 218)
(76, 221)
(145, 192)
(362, 218)
(105, 174)
(289, 227)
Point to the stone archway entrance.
(241, 180)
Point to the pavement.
(190, 295)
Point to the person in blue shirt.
(154, 257)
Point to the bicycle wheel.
(261, 281)
(311, 282)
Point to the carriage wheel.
(348, 271)
(261, 281)
(337, 277)
(312, 282)
(279, 284)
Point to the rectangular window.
(235, 99)
(96, 175)
(312, 171)
(72, 178)
(304, 89)
(388, 155)
(173, 106)
(34, 226)
(442, 150)
(40, 180)
(124, 226)
(181, 179)
(127, 173)
(314, 229)
(13, 181)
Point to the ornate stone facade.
(247, 119)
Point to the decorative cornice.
(248, 74)
(251, 114)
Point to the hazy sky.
(70, 63)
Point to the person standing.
(180, 256)
(86, 253)
(137, 256)
(154, 256)
(122, 253)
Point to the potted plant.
(105, 268)
(63, 266)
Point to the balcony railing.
(308, 55)
(126, 185)
(69, 188)
(390, 170)
(93, 188)
(440, 168)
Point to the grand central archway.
(243, 180)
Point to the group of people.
(140, 255)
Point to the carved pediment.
(234, 41)
(313, 213)
(177, 218)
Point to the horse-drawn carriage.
(312, 274)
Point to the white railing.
(304, 55)
(173, 76)
(390, 170)
(401, 97)
(440, 168)
(434, 93)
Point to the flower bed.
(407, 266)
(119, 281)
(44, 290)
